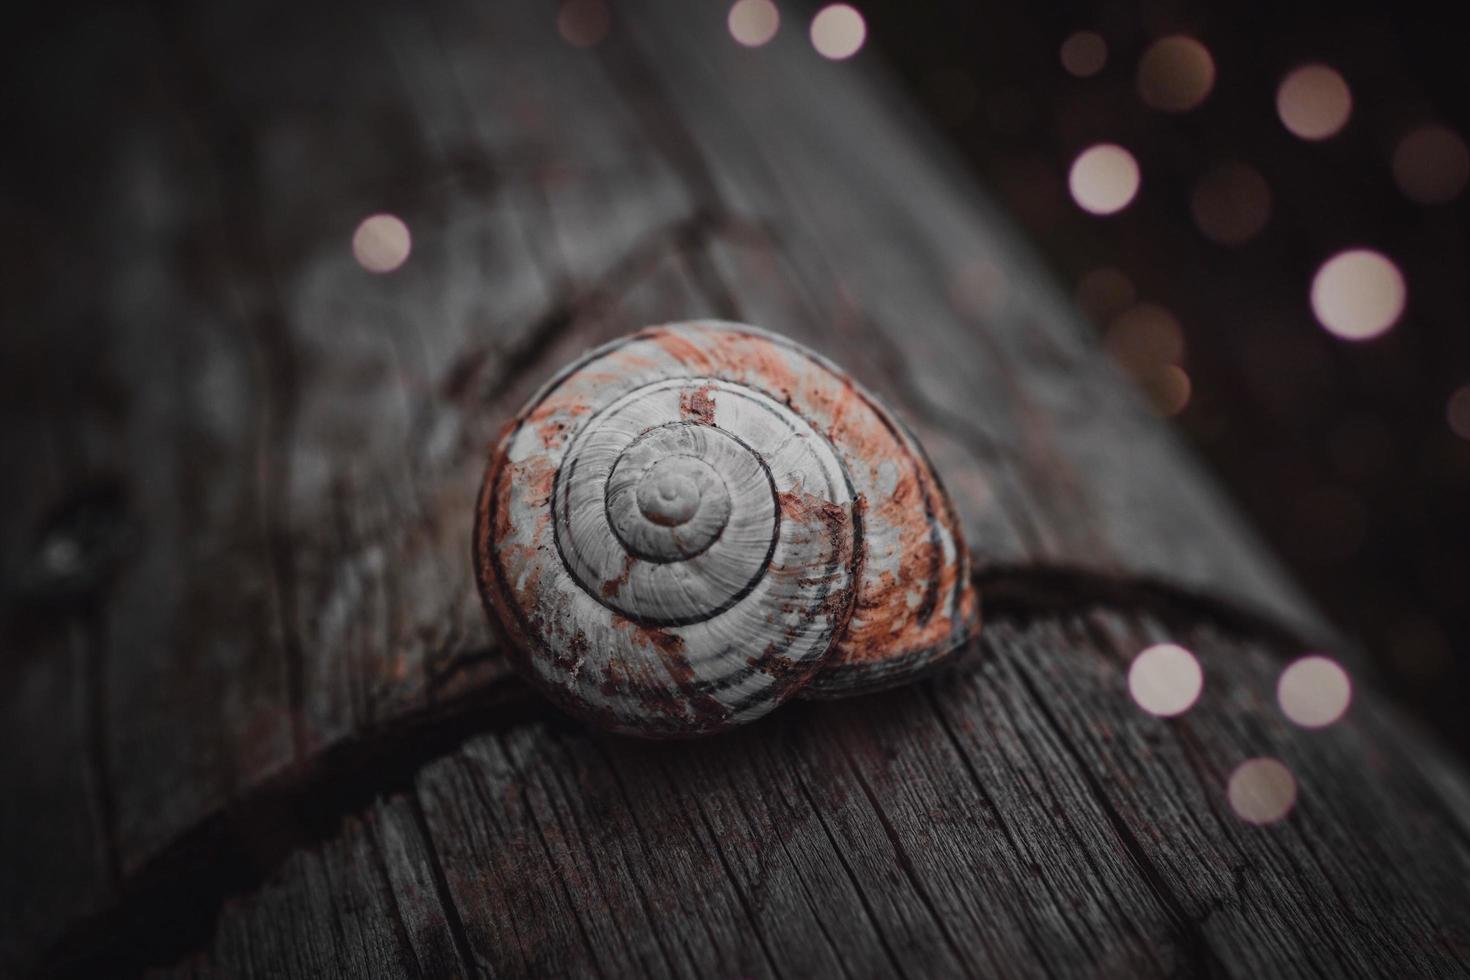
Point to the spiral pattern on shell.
(694, 523)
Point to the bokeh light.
(1358, 294)
(1084, 54)
(1165, 680)
(1231, 204)
(1431, 165)
(838, 31)
(1143, 338)
(1146, 342)
(753, 22)
(1261, 791)
(1314, 691)
(583, 23)
(381, 243)
(1104, 179)
(1175, 74)
(1457, 412)
(1314, 102)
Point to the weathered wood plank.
(299, 444)
(363, 905)
(142, 396)
(1020, 817)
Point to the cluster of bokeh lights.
(1356, 295)
(837, 32)
(1314, 691)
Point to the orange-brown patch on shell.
(739, 357)
(807, 508)
(630, 360)
(565, 401)
(496, 547)
(503, 525)
(886, 624)
(786, 674)
(697, 405)
(494, 476)
(802, 507)
(663, 639)
(766, 366)
(687, 352)
(540, 476)
(573, 654)
(552, 432)
(639, 679)
(613, 586)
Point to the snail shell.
(697, 521)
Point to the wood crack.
(525, 786)
(452, 917)
(812, 904)
(567, 793)
(384, 883)
(906, 863)
(1098, 872)
(863, 899)
(643, 841)
(735, 888)
(1204, 961)
(989, 801)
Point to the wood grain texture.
(1018, 818)
(238, 675)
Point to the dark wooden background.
(253, 721)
